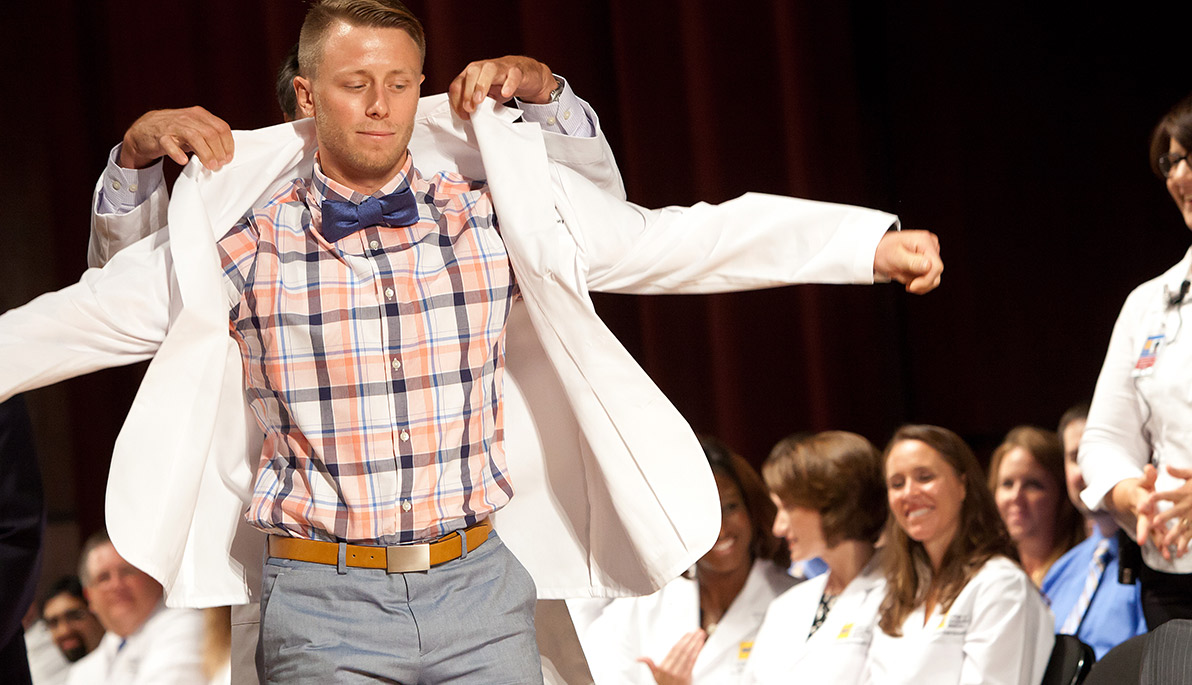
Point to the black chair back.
(1071, 660)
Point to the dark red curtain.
(1018, 135)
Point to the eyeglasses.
(72, 616)
(1168, 162)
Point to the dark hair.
(757, 502)
(287, 99)
(836, 473)
(980, 536)
(1176, 124)
(1079, 412)
(372, 13)
(1047, 450)
(66, 585)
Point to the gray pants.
(470, 620)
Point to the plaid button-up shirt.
(373, 364)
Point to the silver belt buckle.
(407, 558)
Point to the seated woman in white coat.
(700, 627)
(958, 606)
(830, 495)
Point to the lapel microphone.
(1174, 299)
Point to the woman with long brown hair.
(958, 607)
(1026, 476)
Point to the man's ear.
(305, 96)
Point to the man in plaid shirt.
(369, 304)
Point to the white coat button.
(405, 505)
(405, 437)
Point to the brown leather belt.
(394, 559)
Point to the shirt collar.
(325, 188)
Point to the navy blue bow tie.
(341, 218)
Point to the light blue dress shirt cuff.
(123, 190)
(569, 115)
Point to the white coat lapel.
(630, 434)
(739, 624)
(162, 451)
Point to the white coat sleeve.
(1114, 446)
(1009, 641)
(112, 231)
(113, 316)
(754, 241)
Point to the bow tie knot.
(342, 218)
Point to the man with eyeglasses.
(75, 630)
(146, 642)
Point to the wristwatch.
(554, 94)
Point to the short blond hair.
(372, 13)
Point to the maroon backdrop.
(1019, 136)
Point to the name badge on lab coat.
(851, 632)
(1149, 355)
(743, 650)
(955, 625)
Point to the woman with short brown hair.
(829, 492)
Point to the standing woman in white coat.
(830, 495)
(700, 627)
(958, 607)
(1136, 450)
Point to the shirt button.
(396, 363)
(405, 437)
(389, 293)
(374, 245)
(115, 184)
(133, 187)
(566, 115)
(550, 121)
(405, 505)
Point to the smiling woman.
(700, 627)
(1136, 452)
(958, 607)
(1026, 476)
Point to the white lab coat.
(634, 627)
(168, 648)
(999, 631)
(585, 427)
(782, 652)
(1136, 418)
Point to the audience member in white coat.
(700, 627)
(829, 491)
(958, 607)
(145, 643)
